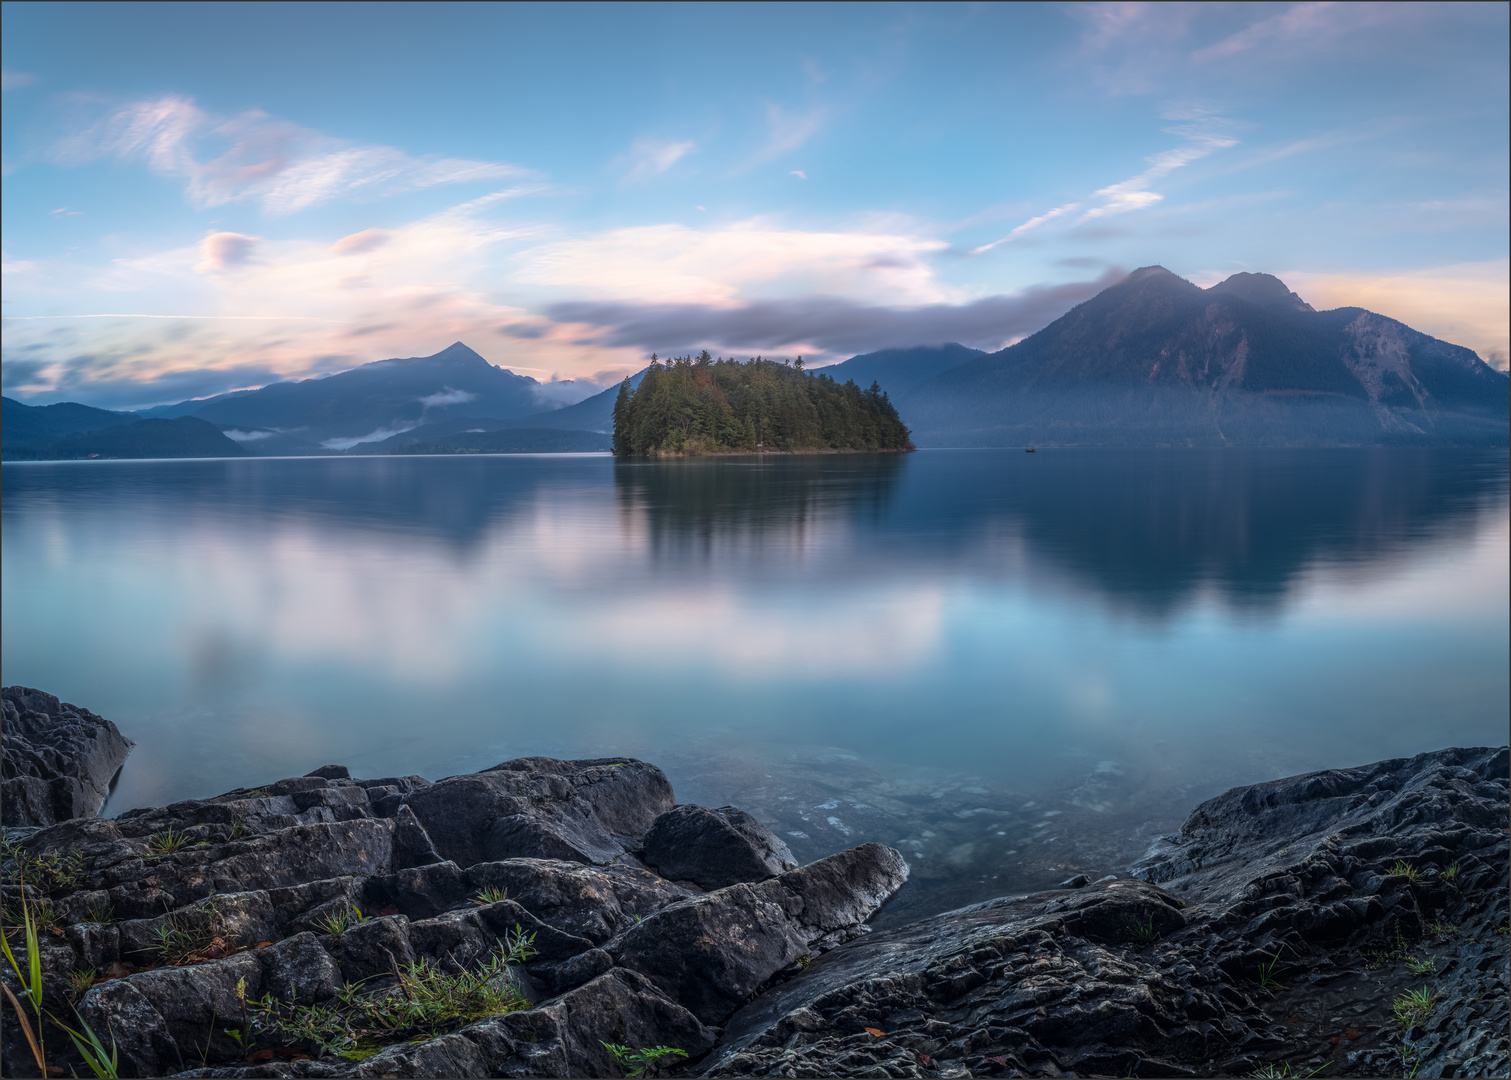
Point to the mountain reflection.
(1145, 531)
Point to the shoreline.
(1323, 896)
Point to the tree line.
(702, 405)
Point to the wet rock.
(420, 892)
(713, 952)
(714, 848)
(1242, 957)
(58, 759)
(163, 1020)
(541, 808)
(299, 970)
(590, 902)
(411, 843)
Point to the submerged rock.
(58, 759)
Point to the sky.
(206, 197)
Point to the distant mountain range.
(1152, 360)
(1155, 360)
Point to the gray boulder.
(541, 808)
(714, 848)
(713, 952)
(58, 759)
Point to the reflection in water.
(1007, 664)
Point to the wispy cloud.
(253, 156)
(1204, 134)
(648, 158)
(786, 132)
(15, 80)
(1306, 26)
(1031, 223)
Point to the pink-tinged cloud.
(284, 167)
(223, 250)
(358, 242)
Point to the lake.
(1013, 667)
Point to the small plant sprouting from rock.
(1272, 1071)
(166, 842)
(238, 828)
(1421, 967)
(50, 873)
(490, 894)
(79, 981)
(1440, 929)
(426, 1002)
(1268, 978)
(1144, 931)
(339, 922)
(99, 911)
(1402, 868)
(1415, 1006)
(644, 1061)
(191, 936)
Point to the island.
(695, 405)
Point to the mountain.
(504, 441)
(372, 402)
(592, 414)
(1156, 360)
(25, 429)
(180, 437)
(900, 370)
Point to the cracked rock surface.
(1275, 931)
(313, 885)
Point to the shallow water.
(1014, 667)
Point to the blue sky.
(200, 198)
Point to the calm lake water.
(1014, 667)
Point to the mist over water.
(1012, 666)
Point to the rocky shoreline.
(569, 918)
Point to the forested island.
(693, 405)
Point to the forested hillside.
(699, 405)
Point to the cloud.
(1303, 26)
(1031, 223)
(799, 173)
(15, 80)
(223, 250)
(254, 156)
(63, 211)
(648, 158)
(677, 264)
(447, 396)
(358, 242)
(786, 132)
(1205, 134)
(829, 325)
(1465, 303)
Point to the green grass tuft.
(1415, 1006)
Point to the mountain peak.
(457, 351)
(1265, 290)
